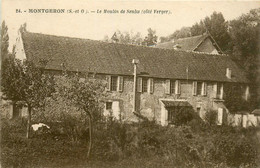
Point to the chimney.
(228, 73)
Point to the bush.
(234, 151)
(183, 116)
(112, 140)
(211, 117)
(146, 143)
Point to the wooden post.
(135, 62)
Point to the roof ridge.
(98, 56)
(84, 39)
(192, 37)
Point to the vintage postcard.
(130, 83)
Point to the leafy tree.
(215, 25)
(24, 82)
(182, 116)
(86, 95)
(244, 33)
(23, 28)
(198, 29)
(211, 117)
(182, 33)
(151, 38)
(4, 41)
(125, 37)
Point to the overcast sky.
(96, 26)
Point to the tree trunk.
(90, 136)
(28, 122)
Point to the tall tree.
(4, 41)
(24, 82)
(244, 33)
(217, 27)
(91, 93)
(23, 28)
(182, 33)
(198, 29)
(151, 38)
(125, 38)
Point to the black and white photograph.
(130, 84)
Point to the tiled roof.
(113, 58)
(256, 112)
(176, 103)
(188, 43)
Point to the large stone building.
(204, 43)
(166, 79)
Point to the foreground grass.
(51, 150)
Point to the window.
(114, 83)
(172, 86)
(198, 110)
(144, 84)
(218, 89)
(120, 83)
(199, 88)
(108, 105)
(150, 85)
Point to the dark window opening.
(172, 86)
(198, 110)
(172, 111)
(144, 84)
(218, 89)
(114, 83)
(199, 88)
(108, 105)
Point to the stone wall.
(149, 104)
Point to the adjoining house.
(202, 43)
(166, 79)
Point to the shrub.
(211, 117)
(112, 140)
(234, 151)
(183, 116)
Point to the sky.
(96, 25)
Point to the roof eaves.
(200, 43)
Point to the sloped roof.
(256, 112)
(176, 103)
(113, 58)
(188, 43)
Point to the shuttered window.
(221, 91)
(108, 78)
(120, 83)
(151, 85)
(204, 88)
(178, 87)
(194, 88)
(139, 84)
(215, 87)
(167, 86)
